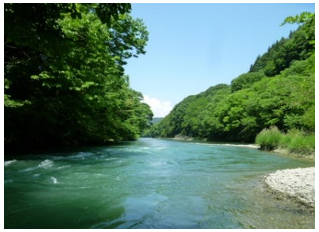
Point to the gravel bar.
(295, 183)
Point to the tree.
(64, 74)
(246, 80)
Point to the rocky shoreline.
(298, 184)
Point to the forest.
(276, 97)
(64, 80)
(65, 84)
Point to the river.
(149, 183)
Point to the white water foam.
(83, 155)
(65, 166)
(29, 169)
(54, 180)
(112, 158)
(46, 164)
(6, 163)
(228, 145)
(239, 145)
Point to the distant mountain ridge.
(156, 120)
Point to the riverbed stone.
(296, 183)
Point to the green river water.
(149, 183)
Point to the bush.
(295, 141)
(269, 139)
(300, 143)
(289, 137)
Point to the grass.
(294, 141)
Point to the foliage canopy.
(64, 75)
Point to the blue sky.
(194, 46)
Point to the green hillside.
(278, 91)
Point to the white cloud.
(159, 108)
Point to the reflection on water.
(149, 183)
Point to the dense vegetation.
(64, 79)
(278, 90)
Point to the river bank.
(197, 139)
(297, 184)
(285, 152)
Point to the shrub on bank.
(269, 139)
(301, 143)
(295, 141)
